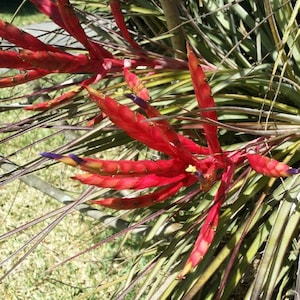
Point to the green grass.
(25, 17)
(21, 203)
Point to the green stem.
(173, 23)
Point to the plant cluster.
(205, 146)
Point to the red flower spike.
(135, 85)
(208, 229)
(22, 78)
(123, 182)
(141, 201)
(133, 123)
(205, 100)
(56, 101)
(54, 61)
(23, 39)
(119, 18)
(167, 168)
(270, 167)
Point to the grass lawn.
(79, 279)
(10, 12)
(21, 204)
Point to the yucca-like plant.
(204, 147)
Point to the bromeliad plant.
(256, 96)
(188, 163)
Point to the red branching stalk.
(183, 169)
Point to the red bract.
(187, 165)
(136, 85)
(54, 102)
(205, 100)
(119, 18)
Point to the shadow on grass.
(11, 6)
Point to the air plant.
(188, 163)
(204, 155)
